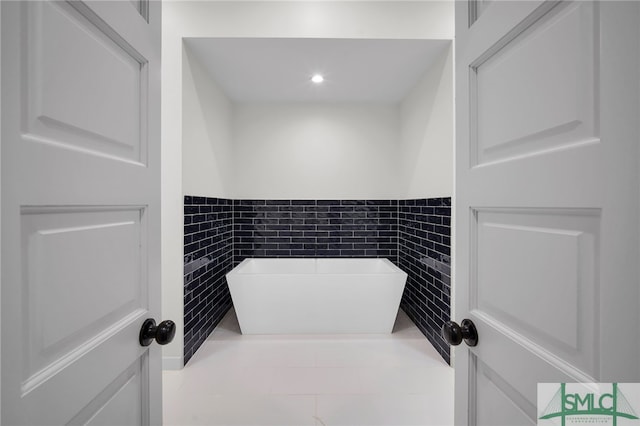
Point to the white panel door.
(546, 200)
(80, 212)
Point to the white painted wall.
(316, 151)
(206, 133)
(331, 19)
(180, 19)
(171, 180)
(426, 153)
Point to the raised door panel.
(119, 403)
(84, 296)
(507, 365)
(536, 273)
(86, 86)
(495, 404)
(82, 272)
(536, 89)
(82, 387)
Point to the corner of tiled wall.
(424, 233)
(208, 239)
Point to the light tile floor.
(317, 380)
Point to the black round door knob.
(163, 333)
(454, 334)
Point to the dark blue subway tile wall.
(208, 256)
(315, 228)
(220, 233)
(424, 252)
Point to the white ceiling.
(279, 70)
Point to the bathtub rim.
(238, 269)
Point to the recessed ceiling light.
(317, 78)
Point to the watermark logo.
(564, 404)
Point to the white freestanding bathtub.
(324, 296)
